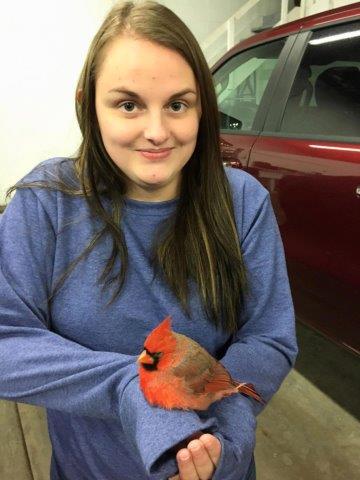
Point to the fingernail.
(184, 456)
(195, 446)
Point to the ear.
(79, 95)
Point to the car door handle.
(358, 191)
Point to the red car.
(289, 101)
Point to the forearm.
(156, 433)
(42, 368)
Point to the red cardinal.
(176, 372)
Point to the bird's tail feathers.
(248, 389)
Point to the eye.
(126, 105)
(179, 104)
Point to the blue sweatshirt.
(77, 358)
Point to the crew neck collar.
(146, 207)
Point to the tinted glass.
(240, 85)
(325, 97)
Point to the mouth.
(156, 153)
(155, 150)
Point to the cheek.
(187, 131)
(113, 130)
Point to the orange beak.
(144, 357)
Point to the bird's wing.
(201, 372)
(221, 379)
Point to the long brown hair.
(201, 241)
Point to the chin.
(160, 189)
(151, 182)
(156, 180)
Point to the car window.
(325, 97)
(240, 85)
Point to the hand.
(202, 456)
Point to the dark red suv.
(289, 101)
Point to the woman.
(143, 223)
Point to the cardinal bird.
(176, 372)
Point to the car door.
(308, 156)
(243, 86)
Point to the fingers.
(185, 442)
(213, 446)
(187, 470)
(199, 460)
(194, 462)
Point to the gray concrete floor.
(311, 429)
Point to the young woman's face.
(147, 99)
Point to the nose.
(156, 130)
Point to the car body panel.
(236, 149)
(313, 187)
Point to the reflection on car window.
(325, 97)
(240, 85)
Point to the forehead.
(143, 63)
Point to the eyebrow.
(136, 95)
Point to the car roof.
(336, 15)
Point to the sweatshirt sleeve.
(264, 349)
(40, 367)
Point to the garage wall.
(43, 44)
(316, 6)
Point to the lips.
(155, 150)
(155, 154)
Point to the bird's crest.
(161, 339)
